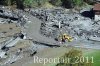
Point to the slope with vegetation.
(39, 3)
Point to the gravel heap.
(72, 23)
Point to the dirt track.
(33, 28)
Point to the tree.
(28, 3)
(1, 2)
(9, 2)
(20, 4)
(67, 3)
(72, 3)
(78, 2)
(90, 1)
(34, 3)
(5, 2)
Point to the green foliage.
(91, 2)
(56, 2)
(67, 3)
(8, 2)
(72, 3)
(28, 3)
(78, 2)
(34, 3)
(70, 58)
(39, 3)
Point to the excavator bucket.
(66, 37)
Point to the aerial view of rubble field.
(49, 32)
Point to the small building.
(96, 10)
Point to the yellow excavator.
(64, 37)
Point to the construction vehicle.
(64, 37)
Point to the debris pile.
(72, 23)
(16, 44)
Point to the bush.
(78, 2)
(67, 3)
(56, 2)
(34, 3)
(39, 3)
(74, 55)
(28, 3)
(72, 3)
(91, 2)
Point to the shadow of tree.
(90, 14)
